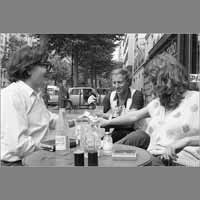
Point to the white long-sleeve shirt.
(25, 121)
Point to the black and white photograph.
(100, 100)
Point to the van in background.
(53, 92)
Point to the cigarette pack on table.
(124, 155)
(48, 147)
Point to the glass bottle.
(107, 142)
(62, 130)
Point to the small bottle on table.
(107, 142)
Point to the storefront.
(185, 47)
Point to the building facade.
(139, 58)
(128, 45)
(135, 48)
(120, 52)
(139, 49)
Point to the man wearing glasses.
(25, 120)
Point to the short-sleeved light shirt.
(166, 127)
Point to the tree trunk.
(95, 77)
(44, 41)
(91, 74)
(75, 68)
(72, 69)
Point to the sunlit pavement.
(75, 113)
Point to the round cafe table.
(43, 158)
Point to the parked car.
(78, 96)
(53, 92)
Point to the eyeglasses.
(46, 65)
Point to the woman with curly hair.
(174, 127)
(25, 119)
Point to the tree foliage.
(90, 53)
(61, 69)
(12, 45)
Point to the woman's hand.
(172, 150)
(103, 122)
(170, 153)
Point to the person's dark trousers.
(11, 164)
(119, 133)
(136, 138)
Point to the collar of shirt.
(128, 95)
(28, 89)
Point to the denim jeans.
(119, 133)
(136, 138)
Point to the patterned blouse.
(166, 127)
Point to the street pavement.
(75, 113)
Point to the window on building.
(126, 45)
(195, 54)
(124, 39)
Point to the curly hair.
(169, 79)
(124, 73)
(24, 60)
